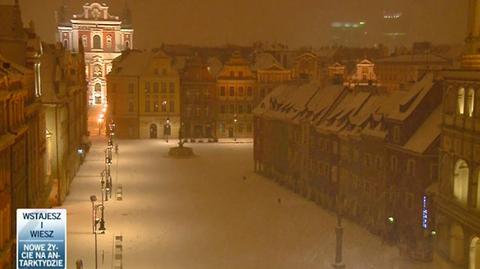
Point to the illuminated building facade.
(458, 199)
(103, 37)
(65, 103)
(236, 96)
(144, 95)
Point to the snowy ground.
(201, 213)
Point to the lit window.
(461, 101)
(470, 102)
(460, 181)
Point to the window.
(240, 91)
(164, 87)
(109, 41)
(130, 106)
(164, 106)
(84, 40)
(461, 101)
(147, 105)
(38, 82)
(147, 86)
(250, 91)
(222, 109)
(470, 102)
(232, 108)
(172, 106)
(97, 42)
(155, 87)
(460, 182)
(172, 87)
(393, 163)
(378, 162)
(232, 91)
(240, 109)
(411, 167)
(65, 43)
(249, 108)
(155, 106)
(130, 88)
(222, 91)
(127, 45)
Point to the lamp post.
(166, 128)
(339, 237)
(101, 229)
(235, 127)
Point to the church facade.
(102, 37)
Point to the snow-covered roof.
(135, 62)
(264, 61)
(412, 98)
(427, 133)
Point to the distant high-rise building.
(349, 34)
(393, 27)
(103, 38)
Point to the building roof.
(411, 98)
(427, 133)
(135, 62)
(415, 59)
(266, 61)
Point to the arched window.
(97, 42)
(461, 101)
(470, 102)
(475, 253)
(457, 252)
(109, 41)
(460, 181)
(98, 88)
(127, 45)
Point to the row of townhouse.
(364, 150)
(35, 137)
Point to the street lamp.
(166, 128)
(339, 236)
(235, 127)
(96, 221)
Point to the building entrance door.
(153, 131)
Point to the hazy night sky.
(295, 22)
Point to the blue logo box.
(41, 238)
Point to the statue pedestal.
(181, 152)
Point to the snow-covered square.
(210, 211)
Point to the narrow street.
(202, 213)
